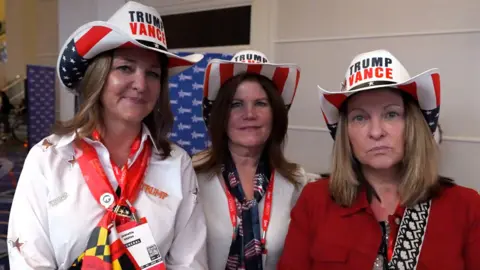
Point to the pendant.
(123, 211)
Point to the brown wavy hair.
(89, 116)
(211, 160)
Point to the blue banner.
(186, 95)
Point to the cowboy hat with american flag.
(133, 25)
(284, 76)
(380, 69)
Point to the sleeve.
(29, 246)
(189, 250)
(299, 237)
(472, 250)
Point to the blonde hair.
(419, 167)
(89, 116)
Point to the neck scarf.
(104, 250)
(246, 248)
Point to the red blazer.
(324, 236)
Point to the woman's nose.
(376, 130)
(250, 112)
(139, 81)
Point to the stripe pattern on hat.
(286, 78)
(94, 39)
(424, 88)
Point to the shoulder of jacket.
(460, 194)
(200, 157)
(176, 153)
(318, 188)
(53, 141)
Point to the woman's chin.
(381, 163)
(251, 143)
(133, 117)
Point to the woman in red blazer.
(384, 205)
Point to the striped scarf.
(246, 249)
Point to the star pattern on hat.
(333, 129)
(72, 66)
(431, 116)
(371, 83)
(207, 108)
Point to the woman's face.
(376, 124)
(133, 85)
(250, 119)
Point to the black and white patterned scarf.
(246, 248)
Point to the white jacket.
(53, 211)
(219, 225)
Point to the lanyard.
(267, 209)
(100, 186)
(121, 173)
(390, 244)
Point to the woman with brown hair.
(247, 186)
(108, 190)
(384, 205)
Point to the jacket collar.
(362, 203)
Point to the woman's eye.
(124, 68)
(358, 118)
(154, 74)
(391, 115)
(235, 104)
(262, 103)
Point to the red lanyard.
(390, 244)
(98, 182)
(121, 173)
(267, 209)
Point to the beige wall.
(47, 33)
(31, 36)
(323, 36)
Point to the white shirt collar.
(68, 139)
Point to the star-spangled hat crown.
(285, 76)
(380, 69)
(133, 25)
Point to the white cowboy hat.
(380, 69)
(133, 25)
(217, 72)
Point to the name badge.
(138, 239)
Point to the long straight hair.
(419, 167)
(210, 161)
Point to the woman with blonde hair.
(108, 190)
(384, 205)
(247, 186)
